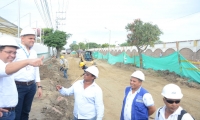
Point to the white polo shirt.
(8, 90)
(173, 116)
(27, 73)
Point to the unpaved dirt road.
(112, 79)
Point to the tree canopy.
(55, 38)
(141, 35)
(74, 47)
(105, 45)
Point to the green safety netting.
(189, 70)
(170, 62)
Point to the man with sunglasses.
(8, 90)
(138, 103)
(172, 111)
(88, 96)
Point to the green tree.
(55, 39)
(92, 45)
(141, 35)
(124, 44)
(74, 47)
(105, 45)
(158, 42)
(82, 46)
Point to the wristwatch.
(39, 86)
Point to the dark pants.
(8, 115)
(65, 73)
(25, 94)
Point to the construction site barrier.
(174, 62)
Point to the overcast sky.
(86, 19)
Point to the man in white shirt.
(88, 96)
(138, 103)
(8, 91)
(26, 78)
(172, 111)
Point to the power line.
(8, 4)
(40, 12)
(51, 10)
(184, 16)
(41, 3)
(47, 9)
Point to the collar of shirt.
(23, 47)
(137, 90)
(177, 112)
(82, 82)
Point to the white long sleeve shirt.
(27, 73)
(8, 90)
(88, 102)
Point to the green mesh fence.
(174, 62)
(164, 63)
(189, 70)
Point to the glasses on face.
(172, 101)
(10, 52)
(87, 74)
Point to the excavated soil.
(112, 79)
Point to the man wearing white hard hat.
(28, 78)
(8, 91)
(172, 96)
(138, 103)
(88, 96)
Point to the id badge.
(27, 67)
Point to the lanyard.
(27, 55)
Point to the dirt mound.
(169, 76)
(52, 106)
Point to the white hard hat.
(172, 91)
(93, 70)
(8, 41)
(27, 31)
(138, 74)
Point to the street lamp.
(87, 41)
(109, 38)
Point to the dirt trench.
(112, 79)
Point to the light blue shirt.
(88, 102)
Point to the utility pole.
(59, 19)
(18, 28)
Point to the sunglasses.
(172, 101)
(87, 74)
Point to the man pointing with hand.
(8, 91)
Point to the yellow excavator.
(87, 58)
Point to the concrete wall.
(188, 49)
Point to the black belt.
(25, 83)
(9, 108)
